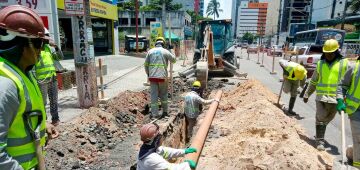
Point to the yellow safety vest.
(20, 143)
(290, 69)
(45, 67)
(353, 94)
(329, 76)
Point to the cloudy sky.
(224, 5)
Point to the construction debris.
(250, 132)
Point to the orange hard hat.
(21, 21)
(148, 132)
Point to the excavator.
(214, 53)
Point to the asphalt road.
(306, 112)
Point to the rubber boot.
(320, 133)
(291, 106)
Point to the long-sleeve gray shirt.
(345, 83)
(156, 62)
(284, 64)
(9, 104)
(311, 89)
(192, 102)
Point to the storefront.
(104, 14)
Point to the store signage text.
(74, 7)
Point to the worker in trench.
(153, 156)
(156, 64)
(294, 77)
(329, 71)
(349, 88)
(192, 102)
(46, 76)
(23, 124)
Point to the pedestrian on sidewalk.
(46, 77)
(156, 64)
(153, 156)
(294, 77)
(22, 114)
(349, 89)
(329, 71)
(192, 102)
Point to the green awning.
(173, 36)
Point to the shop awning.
(173, 36)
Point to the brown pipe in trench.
(200, 137)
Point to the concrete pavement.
(306, 112)
(123, 73)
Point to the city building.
(201, 7)
(251, 18)
(180, 22)
(294, 11)
(272, 17)
(186, 4)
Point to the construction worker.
(22, 112)
(349, 88)
(156, 63)
(329, 71)
(46, 77)
(294, 76)
(192, 101)
(153, 156)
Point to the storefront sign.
(74, 7)
(155, 31)
(103, 10)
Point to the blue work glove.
(191, 163)
(340, 105)
(190, 150)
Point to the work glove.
(340, 105)
(191, 163)
(305, 99)
(190, 150)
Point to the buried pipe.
(188, 71)
(199, 140)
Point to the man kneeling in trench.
(153, 156)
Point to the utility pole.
(137, 24)
(278, 24)
(344, 15)
(84, 58)
(310, 14)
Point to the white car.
(308, 57)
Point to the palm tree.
(355, 6)
(213, 8)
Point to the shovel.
(343, 143)
(281, 89)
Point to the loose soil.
(250, 132)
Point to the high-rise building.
(251, 18)
(294, 11)
(272, 17)
(201, 7)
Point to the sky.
(225, 5)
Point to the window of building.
(123, 21)
(133, 21)
(148, 20)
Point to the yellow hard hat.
(330, 46)
(300, 72)
(160, 39)
(196, 84)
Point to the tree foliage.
(213, 8)
(196, 17)
(248, 37)
(157, 5)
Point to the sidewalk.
(123, 73)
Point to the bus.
(318, 37)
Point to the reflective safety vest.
(20, 143)
(329, 76)
(353, 94)
(290, 69)
(45, 66)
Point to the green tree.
(213, 8)
(355, 6)
(248, 37)
(157, 5)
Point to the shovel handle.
(343, 142)
(281, 89)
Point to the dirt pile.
(250, 132)
(88, 140)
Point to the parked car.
(244, 45)
(253, 48)
(291, 52)
(275, 50)
(308, 57)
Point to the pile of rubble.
(250, 132)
